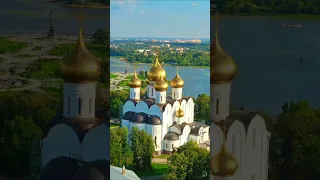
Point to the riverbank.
(91, 5)
(124, 59)
(273, 16)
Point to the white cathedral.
(77, 144)
(239, 145)
(168, 119)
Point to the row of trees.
(107, 2)
(138, 155)
(267, 6)
(192, 57)
(202, 105)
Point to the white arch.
(156, 111)
(96, 144)
(142, 107)
(129, 106)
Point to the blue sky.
(160, 18)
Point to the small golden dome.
(223, 68)
(156, 71)
(223, 164)
(135, 82)
(179, 113)
(80, 66)
(177, 82)
(161, 85)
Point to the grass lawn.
(63, 49)
(123, 83)
(157, 169)
(8, 46)
(112, 76)
(47, 68)
(162, 156)
(114, 126)
(52, 90)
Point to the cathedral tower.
(177, 84)
(135, 85)
(80, 71)
(154, 75)
(161, 87)
(222, 71)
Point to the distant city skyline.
(160, 19)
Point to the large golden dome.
(222, 66)
(179, 113)
(161, 85)
(80, 66)
(135, 82)
(177, 82)
(223, 164)
(156, 71)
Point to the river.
(196, 80)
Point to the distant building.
(117, 173)
(168, 119)
(77, 144)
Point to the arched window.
(155, 141)
(79, 105)
(174, 95)
(151, 91)
(252, 177)
(166, 145)
(217, 107)
(90, 105)
(160, 98)
(69, 102)
(254, 138)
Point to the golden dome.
(135, 82)
(156, 71)
(177, 82)
(223, 164)
(179, 113)
(80, 66)
(161, 85)
(223, 68)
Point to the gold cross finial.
(134, 67)
(178, 69)
(216, 22)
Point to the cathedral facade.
(77, 144)
(168, 118)
(239, 139)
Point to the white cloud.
(195, 4)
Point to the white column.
(220, 98)
(135, 93)
(161, 97)
(177, 93)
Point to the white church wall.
(236, 139)
(168, 144)
(167, 114)
(155, 111)
(142, 107)
(96, 144)
(220, 97)
(194, 138)
(79, 100)
(156, 135)
(206, 133)
(129, 106)
(125, 123)
(61, 140)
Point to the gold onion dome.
(223, 164)
(179, 113)
(80, 66)
(135, 82)
(156, 71)
(223, 68)
(177, 82)
(161, 85)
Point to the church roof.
(242, 115)
(62, 168)
(152, 101)
(95, 170)
(128, 115)
(154, 120)
(172, 136)
(116, 174)
(139, 118)
(83, 125)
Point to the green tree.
(202, 107)
(296, 142)
(118, 98)
(142, 146)
(101, 36)
(120, 152)
(195, 164)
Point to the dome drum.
(171, 136)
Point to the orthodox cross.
(81, 18)
(51, 17)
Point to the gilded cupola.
(80, 66)
(179, 113)
(156, 71)
(135, 82)
(177, 82)
(222, 67)
(161, 85)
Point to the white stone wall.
(177, 93)
(220, 98)
(161, 97)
